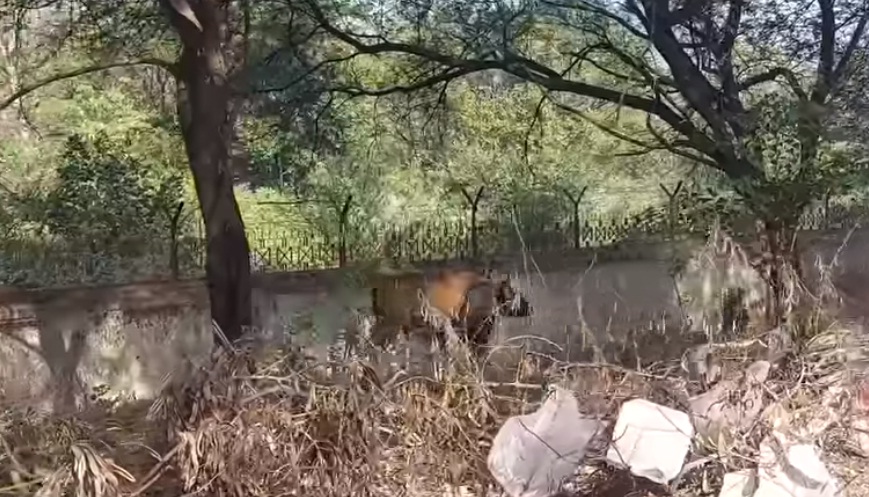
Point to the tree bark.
(204, 110)
(778, 264)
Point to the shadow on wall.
(619, 310)
(56, 346)
(587, 311)
(850, 274)
(311, 314)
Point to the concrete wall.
(585, 297)
(56, 345)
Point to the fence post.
(671, 208)
(474, 203)
(342, 231)
(575, 201)
(174, 222)
(826, 218)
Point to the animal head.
(508, 300)
(511, 302)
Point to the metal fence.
(50, 262)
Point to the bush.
(103, 195)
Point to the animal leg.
(441, 338)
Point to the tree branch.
(646, 147)
(521, 67)
(724, 54)
(594, 9)
(649, 76)
(689, 78)
(824, 81)
(25, 90)
(446, 76)
(771, 75)
(848, 54)
(297, 80)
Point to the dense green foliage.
(97, 162)
(102, 196)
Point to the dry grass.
(251, 425)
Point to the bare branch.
(824, 82)
(648, 77)
(848, 54)
(646, 147)
(538, 109)
(771, 75)
(310, 72)
(593, 9)
(530, 71)
(25, 90)
(444, 77)
(693, 84)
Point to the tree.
(696, 68)
(104, 197)
(203, 74)
(204, 108)
(698, 90)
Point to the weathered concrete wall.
(637, 287)
(582, 296)
(55, 345)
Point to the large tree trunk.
(780, 267)
(204, 110)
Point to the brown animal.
(471, 300)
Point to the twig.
(156, 471)
(514, 384)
